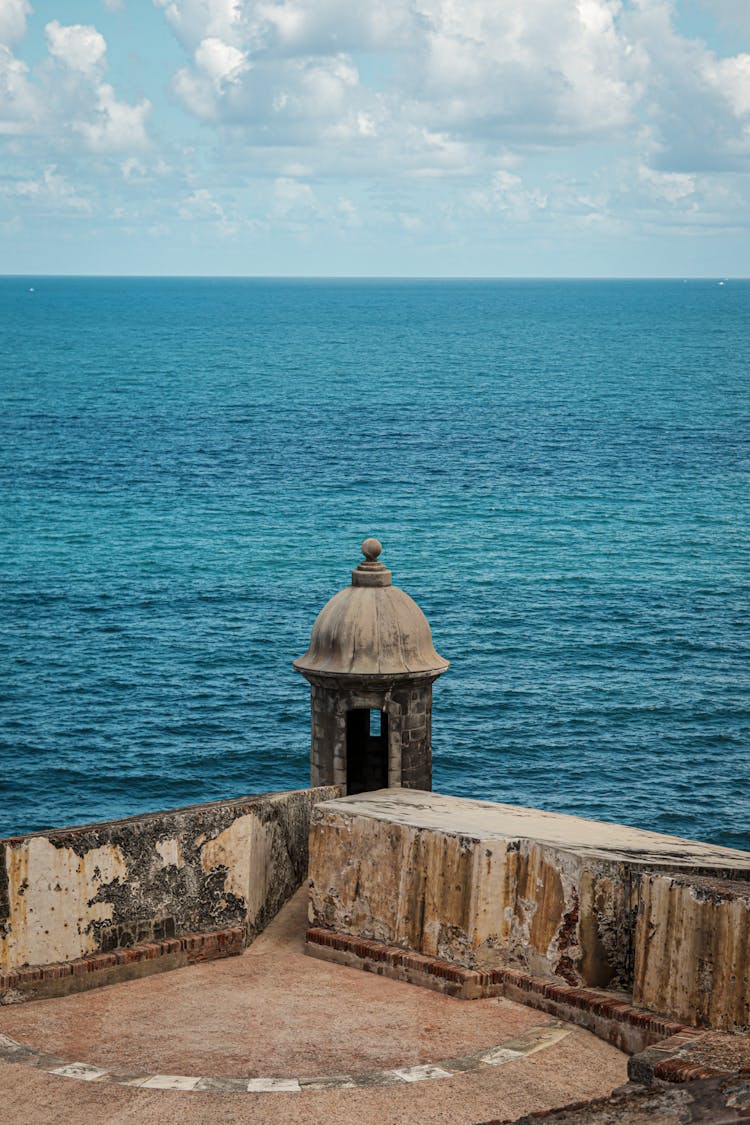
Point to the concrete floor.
(274, 1013)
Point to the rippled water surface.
(559, 475)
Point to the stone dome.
(371, 628)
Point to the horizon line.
(375, 277)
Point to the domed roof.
(371, 628)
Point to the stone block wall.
(692, 950)
(409, 709)
(415, 705)
(72, 892)
(476, 902)
(328, 737)
(486, 886)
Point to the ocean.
(559, 474)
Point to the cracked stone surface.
(483, 885)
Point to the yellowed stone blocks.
(692, 950)
(486, 885)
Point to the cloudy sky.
(375, 137)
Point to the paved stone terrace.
(277, 1036)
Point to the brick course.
(61, 978)
(609, 1017)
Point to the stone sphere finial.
(371, 571)
(371, 548)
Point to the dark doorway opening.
(366, 750)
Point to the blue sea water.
(558, 472)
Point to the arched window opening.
(366, 750)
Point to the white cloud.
(599, 115)
(217, 64)
(542, 72)
(19, 102)
(671, 186)
(366, 126)
(195, 20)
(13, 15)
(698, 104)
(53, 193)
(293, 200)
(453, 76)
(507, 193)
(288, 100)
(457, 85)
(198, 94)
(315, 27)
(200, 205)
(132, 168)
(116, 126)
(219, 60)
(296, 27)
(732, 77)
(69, 107)
(348, 213)
(79, 47)
(316, 90)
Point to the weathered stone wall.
(76, 891)
(475, 902)
(409, 709)
(692, 950)
(484, 886)
(415, 704)
(327, 738)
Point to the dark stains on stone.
(715, 891)
(111, 936)
(567, 941)
(420, 921)
(156, 900)
(597, 968)
(720, 1101)
(607, 929)
(194, 898)
(4, 896)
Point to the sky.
(437, 138)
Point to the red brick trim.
(188, 949)
(670, 1059)
(590, 1000)
(683, 1070)
(391, 955)
(608, 1016)
(657, 1045)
